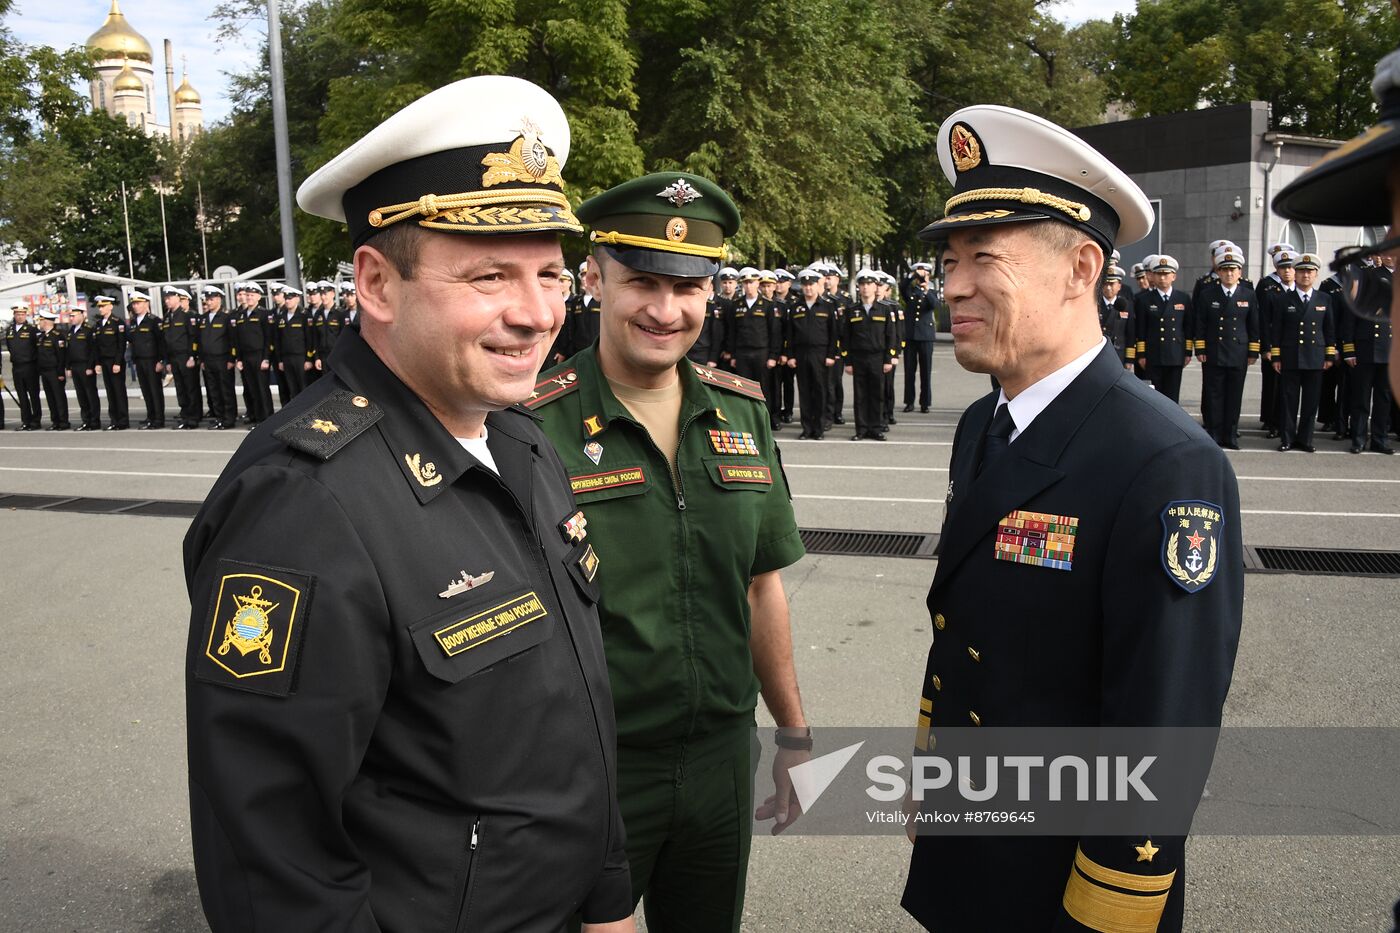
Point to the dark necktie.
(998, 436)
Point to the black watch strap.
(790, 740)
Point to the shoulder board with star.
(324, 430)
(729, 381)
(552, 388)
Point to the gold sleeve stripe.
(1112, 911)
(926, 704)
(1150, 884)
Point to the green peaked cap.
(670, 223)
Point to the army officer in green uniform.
(677, 475)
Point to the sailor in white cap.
(254, 333)
(921, 328)
(395, 664)
(217, 353)
(82, 369)
(869, 344)
(1115, 316)
(180, 339)
(51, 350)
(110, 332)
(1272, 288)
(1303, 345)
(1163, 323)
(1089, 523)
(812, 349)
(146, 338)
(1209, 277)
(755, 333)
(1226, 344)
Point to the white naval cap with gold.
(482, 155)
(1007, 166)
(1228, 255)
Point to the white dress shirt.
(1037, 397)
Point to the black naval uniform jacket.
(1163, 327)
(82, 348)
(1115, 641)
(1116, 322)
(22, 340)
(1301, 333)
(51, 351)
(1367, 340)
(812, 328)
(179, 334)
(1227, 327)
(253, 333)
(710, 342)
(146, 338)
(428, 743)
(111, 340)
(757, 328)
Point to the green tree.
(1312, 62)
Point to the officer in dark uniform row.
(836, 386)
(1301, 335)
(217, 351)
(1270, 287)
(179, 335)
(1115, 317)
(895, 311)
(1213, 276)
(1226, 342)
(811, 342)
(144, 332)
(710, 344)
(111, 359)
(51, 359)
(921, 318)
(1366, 338)
(1163, 324)
(255, 338)
(1090, 571)
(398, 707)
(22, 342)
(295, 344)
(866, 339)
(755, 330)
(82, 369)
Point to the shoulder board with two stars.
(730, 381)
(553, 388)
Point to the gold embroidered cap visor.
(1348, 185)
(483, 155)
(667, 223)
(1007, 166)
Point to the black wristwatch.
(788, 740)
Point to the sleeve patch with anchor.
(257, 623)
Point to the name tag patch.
(593, 482)
(1037, 538)
(733, 442)
(745, 474)
(472, 631)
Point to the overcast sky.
(186, 24)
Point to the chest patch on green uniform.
(257, 622)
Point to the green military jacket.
(677, 550)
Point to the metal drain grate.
(163, 508)
(848, 543)
(1336, 563)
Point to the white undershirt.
(1037, 397)
(476, 446)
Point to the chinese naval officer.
(1090, 571)
(398, 706)
(675, 467)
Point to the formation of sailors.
(268, 337)
(1322, 344)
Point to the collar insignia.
(426, 474)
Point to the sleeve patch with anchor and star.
(1191, 542)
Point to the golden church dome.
(116, 37)
(185, 93)
(127, 80)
